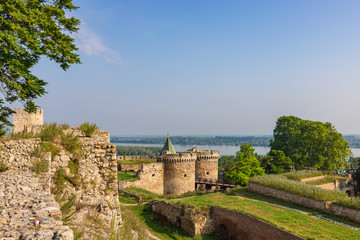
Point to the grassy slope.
(290, 220)
(136, 161)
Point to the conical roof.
(168, 146)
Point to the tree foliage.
(275, 162)
(245, 166)
(31, 29)
(310, 143)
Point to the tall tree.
(31, 29)
(245, 166)
(310, 143)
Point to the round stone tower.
(206, 167)
(179, 173)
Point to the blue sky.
(209, 67)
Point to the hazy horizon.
(208, 67)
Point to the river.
(223, 149)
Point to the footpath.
(27, 208)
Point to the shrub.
(73, 167)
(50, 132)
(40, 166)
(21, 135)
(72, 144)
(47, 147)
(3, 166)
(88, 129)
(60, 178)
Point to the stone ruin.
(25, 122)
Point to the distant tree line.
(353, 140)
(136, 150)
(182, 140)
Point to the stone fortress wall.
(27, 122)
(207, 165)
(95, 191)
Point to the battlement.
(27, 122)
(179, 157)
(208, 154)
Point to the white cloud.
(91, 44)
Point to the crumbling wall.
(184, 218)
(151, 178)
(27, 122)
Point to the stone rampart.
(290, 197)
(151, 178)
(184, 218)
(350, 213)
(206, 167)
(27, 122)
(227, 223)
(237, 225)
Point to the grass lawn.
(127, 176)
(287, 219)
(303, 174)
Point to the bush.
(88, 129)
(40, 166)
(72, 144)
(47, 147)
(73, 167)
(307, 190)
(50, 132)
(3, 166)
(60, 178)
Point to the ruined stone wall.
(206, 168)
(129, 167)
(184, 218)
(27, 122)
(95, 187)
(237, 225)
(151, 178)
(327, 186)
(179, 173)
(17, 154)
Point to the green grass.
(137, 161)
(124, 198)
(306, 190)
(349, 202)
(147, 196)
(303, 174)
(40, 166)
(329, 179)
(289, 220)
(50, 132)
(45, 147)
(127, 176)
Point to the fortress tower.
(206, 167)
(179, 173)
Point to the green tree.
(31, 29)
(275, 162)
(310, 143)
(225, 160)
(245, 166)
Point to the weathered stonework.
(96, 190)
(27, 122)
(290, 197)
(184, 218)
(151, 178)
(227, 223)
(206, 168)
(179, 173)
